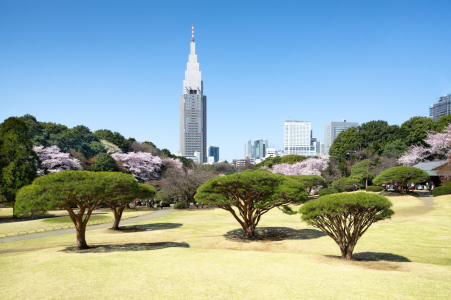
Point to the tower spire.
(192, 33)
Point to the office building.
(441, 108)
(193, 109)
(213, 152)
(298, 138)
(259, 149)
(332, 130)
(248, 149)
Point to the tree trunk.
(249, 230)
(346, 252)
(81, 241)
(14, 211)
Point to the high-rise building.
(213, 152)
(441, 108)
(298, 138)
(248, 149)
(193, 109)
(331, 131)
(259, 149)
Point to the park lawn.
(98, 216)
(199, 255)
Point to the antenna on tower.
(192, 34)
(289, 117)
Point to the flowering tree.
(311, 166)
(143, 166)
(439, 145)
(172, 163)
(52, 160)
(110, 147)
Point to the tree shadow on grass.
(273, 234)
(125, 247)
(145, 227)
(376, 256)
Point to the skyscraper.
(213, 152)
(331, 131)
(193, 109)
(248, 149)
(441, 108)
(259, 149)
(298, 138)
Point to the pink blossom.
(52, 160)
(143, 166)
(310, 166)
(174, 163)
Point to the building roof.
(430, 166)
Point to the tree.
(346, 217)
(414, 131)
(310, 182)
(402, 175)
(143, 166)
(311, 166)
(144, 147)
(64, 190)
(224, 168)
(292, 159)
(116, 138)
(395, 149)
(110, 147)
(104, 163)
(271, 161)
(120, 190)
(17, 159)
(252, 194)
(376, 134)
(363, 169)
(52, 160)
(443, 122)
(185, 183)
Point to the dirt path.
(156, 214)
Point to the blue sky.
(119, 65)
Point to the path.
(156, 214)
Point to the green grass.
(193, 255)
(67, 219)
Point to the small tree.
(251, 194)
(346, 217)
(364, 169)
(121, 189)
(401, 175)
(104, 163)
(65, 189)
(310, 182)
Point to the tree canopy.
(414, 131)
(250, 194)
(309, 182)
(401, 175)
(104, 163)
(346, 217)
(18, 161)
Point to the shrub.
(180, 205)
(349, 188)
(165, 203)
(373, 188)
(441, 190)
(326, 191)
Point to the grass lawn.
(201, 255)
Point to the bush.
(441, 190)
(326, 191)
(180, 205)
(349, 188)
(165, 204)
(373, 188)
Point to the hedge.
(349, 188)
(373, 188)
(326, 191)
(180, 205)
(441, 190)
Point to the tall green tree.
(18, 161)
(363, 168)
(105, 163)
(346, 217)
(443, 122)
(251, 194)
(414, 131)
(395, 149)
(376, 134)
(115, 138)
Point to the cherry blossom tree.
(439, 144)
(311, 166)
(172, 163)
(52, 160)
(143, 166)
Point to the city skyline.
(67, 64)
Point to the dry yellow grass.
(197, 255)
